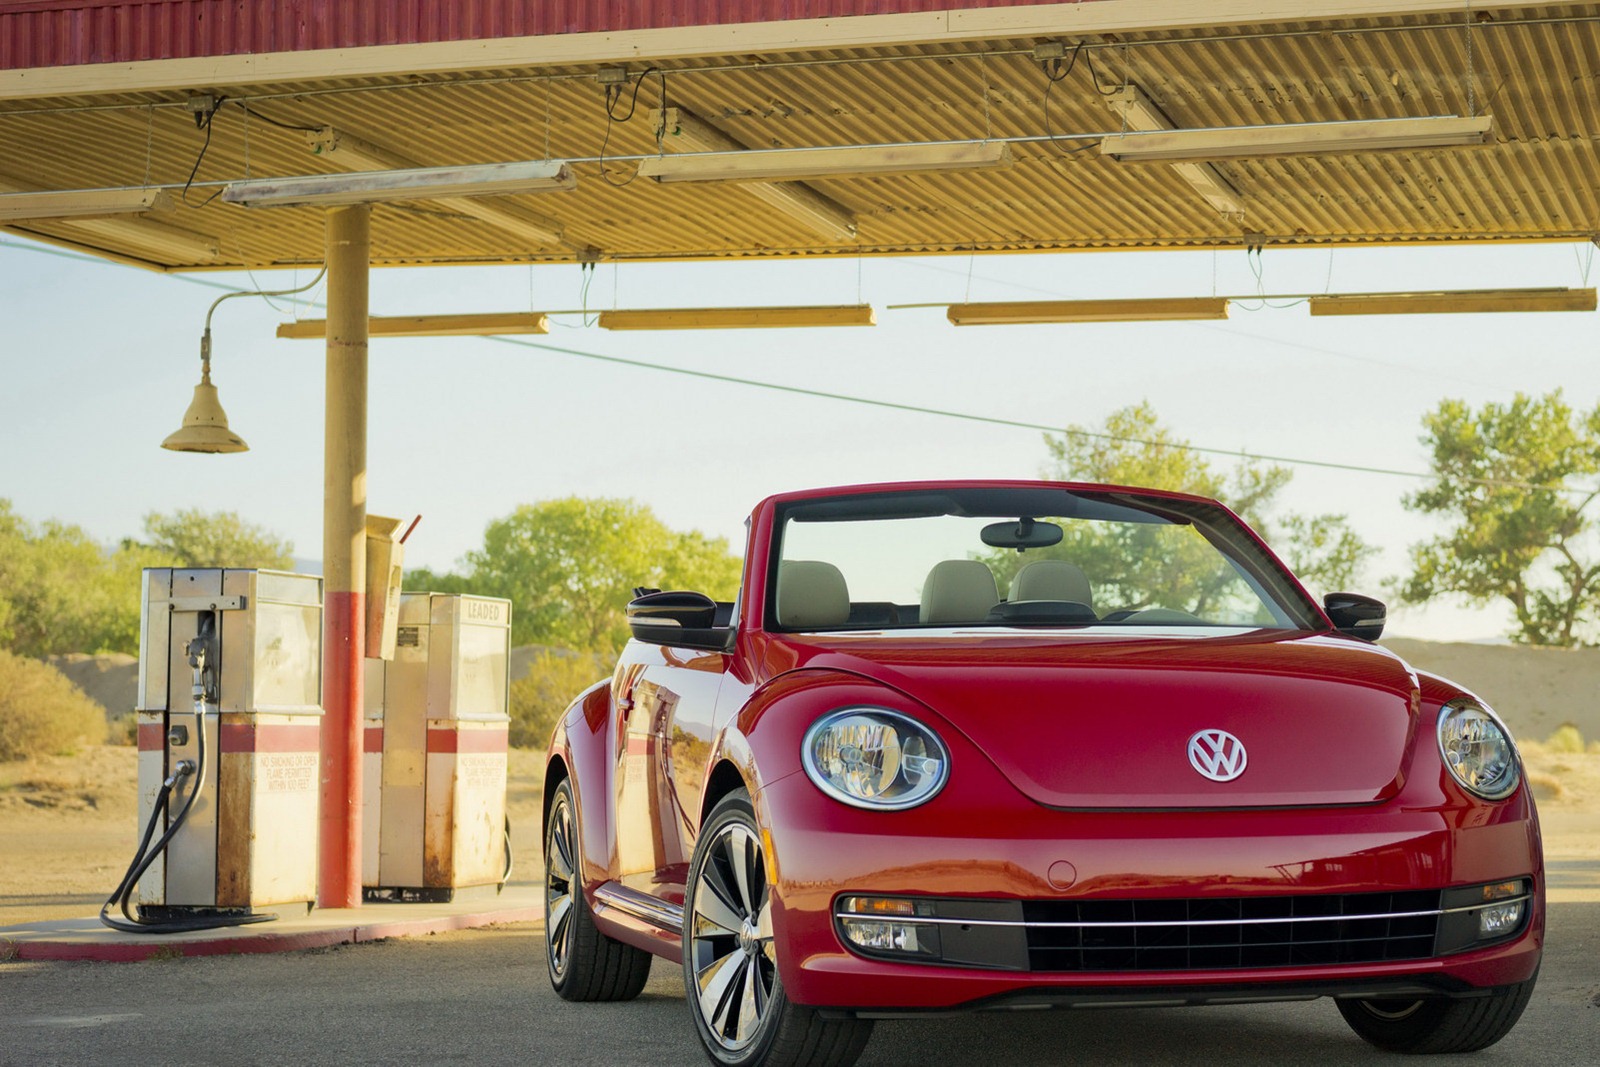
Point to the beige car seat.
(1052, 579)
(811, 594)
(958, 590)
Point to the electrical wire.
(613, 95)
(1088, 61)
(1019, 424)
(1055, 72)
(203, 121)
(270, 121)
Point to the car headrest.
(958, 590)
(1052, 579)
(811, 593)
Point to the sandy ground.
(68, 824)
(68, 828)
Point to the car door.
(665, 700)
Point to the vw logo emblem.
(1217, 755)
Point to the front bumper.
(1004, 848)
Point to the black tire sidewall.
(564, 798)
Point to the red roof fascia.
(61, 33)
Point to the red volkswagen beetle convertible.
(1010, 745)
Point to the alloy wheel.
(731, 951)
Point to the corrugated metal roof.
(53, 33)
(1535, 70)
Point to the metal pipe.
(344, 555)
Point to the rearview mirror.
(1355, 615)
(1024, 533)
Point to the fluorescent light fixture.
(1140, 113)
(1446, 303)
(803, 164)
(682, 128)
(430, 325)
(1025, 312)
(738, 318)
(1320, 138)
(344, 149)
(81, 203)
(169, 242)
(420, 183)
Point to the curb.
(46, 949)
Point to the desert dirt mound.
(110, 679)
(1534, 690)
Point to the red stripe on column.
(152, 738)
(372, 739)
(468, 740)
(343, 630)
(269, 737)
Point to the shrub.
(41, 712)
(538, 698)
(1567, 738)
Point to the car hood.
(1093, 721)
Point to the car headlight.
(1477, 748)
(873, 758)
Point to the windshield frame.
(1266, 575)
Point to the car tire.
(1438, 1024)
(735, 994)
(584, 964)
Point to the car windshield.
(1023, 557)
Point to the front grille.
(1230, 933)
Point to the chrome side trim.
(652, 910)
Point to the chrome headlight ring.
(1477, 749)
(875, 759)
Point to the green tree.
(569, 568)
(423, 580)
(195, 538)
(537, 699)
(1514, 481)
(60, 591)
(1133, 448)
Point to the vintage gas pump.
(229, 727)
(434, 777)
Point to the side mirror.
(1355, 615)
(678, 619)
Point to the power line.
(989, 420)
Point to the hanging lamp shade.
(205, 424)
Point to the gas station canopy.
(963, 125)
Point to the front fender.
(582, 744)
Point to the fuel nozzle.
(199, 651)
(183, 769)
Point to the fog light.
(877, 936)
(1499, 919)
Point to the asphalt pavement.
(481, 997)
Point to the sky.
(99, 361)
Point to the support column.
(344, 556)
